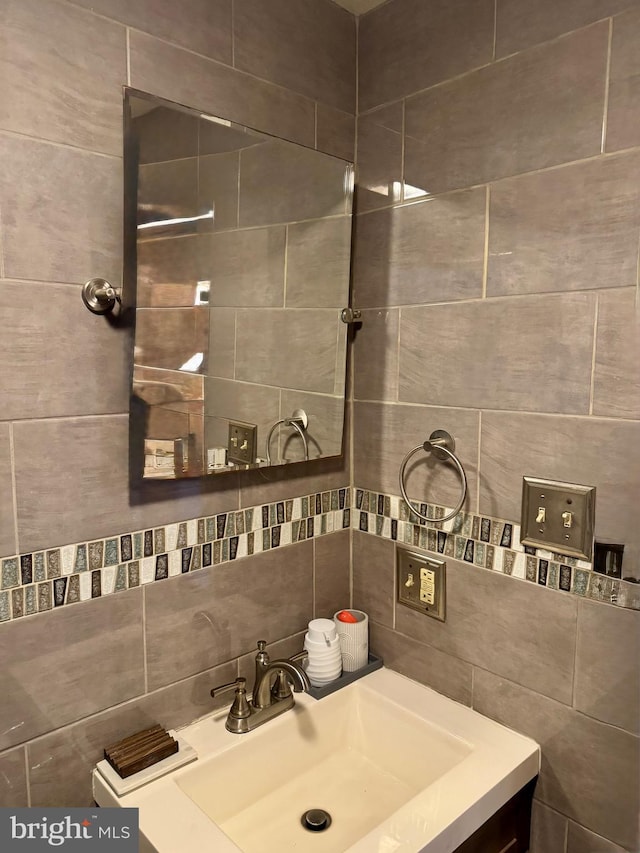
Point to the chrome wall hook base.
(442, 445)
(100, 296)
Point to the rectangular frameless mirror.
(239, 247)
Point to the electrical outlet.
(243, 440)
(421, 582)
(558, 516)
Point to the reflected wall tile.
(168, 191)
(624, 86)
(189, 79)
(94, 650)
(331, 574)
(280, 183)
(62, 71)
(548, 830)
(616, 390)
(447, 674)
(393, 61)
(245, 268)
(166, 134)
(501, 354)
(39, 318)
(523, 23)
(379, 170)
(305, 45)
(607, 684)
(8, 545)
(53, 229)
(566, 229)
(598, 787)
(335, 132)
(580, 840)
(218, 189)
(326, 424)
(547, 448)
(288, 348)
(168, 271)
(169, 337)
(13, 779)
(60, 764)
(536, 109)
(393, 265)
(375, 354)
(203, 26)
(240, 401)
(222, 343)
(199, 620)
(387, 432)
(486, 617)
(318, 263)
(373, 577)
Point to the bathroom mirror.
(238, 246)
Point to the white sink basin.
(397, 766)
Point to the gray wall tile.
(240, 401)
(222, 343)
(607, 684)
(624, 86)
(393, 265)
(203, 26)
(386, 433)
(566, 229)
(62, 72)
(41, 319)
(306, 45)
(616, 391)
(64, 665)
(523, 23)
(379, 170)
(8, 543)
(53, 230)
(580, 840)
(511, 117)
(514, 629)
(86, 455)
(332, 574)
(373, 577)
(501, 354)
(285, 481)
(569, 449)
(168, 271)
(596, 786)
(335, 132)
(168, 337)
(375, 355)
(318, 263)
(548, 830)
(60, 763)
(444, 673)
(199, 620)
(13, 779)
(392, 58)
(218, 188)
(181, 76)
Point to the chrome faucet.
(272, 694)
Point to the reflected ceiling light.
(414, 192)
(216, 120)
(194, 363)
(159, 223)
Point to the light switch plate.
(558, 516)
(421, 582)
(243, 442)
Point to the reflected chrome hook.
(100, 296)
(299, 421)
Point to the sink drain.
(316, 820)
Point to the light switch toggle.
(542, 515)
(409, 581)
(567, 519)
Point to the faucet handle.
(303, 655)
(238, 685)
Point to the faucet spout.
(296, 675)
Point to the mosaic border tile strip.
(43, 580)
(486, 542)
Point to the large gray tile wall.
(64, 373)
(500, 301)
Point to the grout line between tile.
(2, 270)
(495, 29)
(144, 640)
(233, 34)
(27, 775)
(315, 125)
(128, 55)
(13, 134)
(575, 658)
(397, 394)
(313, 579)
(566, 833)
(403, 148)
(485, 261)
(594, 353)
(478, 469)
(607, 84)
(14, 488)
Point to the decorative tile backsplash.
(486, 542)
(40, 581)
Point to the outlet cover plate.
(545, 503)
(421, 582)
(243, 443)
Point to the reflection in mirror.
(241, 258)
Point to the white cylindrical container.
(354, 640)
(324, 657)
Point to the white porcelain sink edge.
(436, 820)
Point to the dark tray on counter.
(346, 678)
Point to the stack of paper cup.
(354, 640)
(324, 660)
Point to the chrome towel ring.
(442, 445)
(299, 421)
